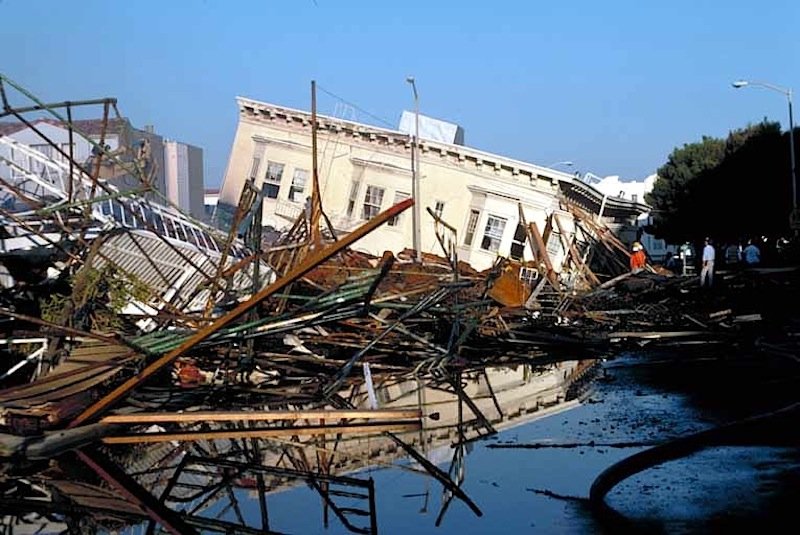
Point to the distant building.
(635, 192)
(177, 168)
(631, 190)
(184, 177)
(365, 170)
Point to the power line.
(365, 112)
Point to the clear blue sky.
(613, 86)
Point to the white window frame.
(254, 167)
(528, 275)
(273, 182)
(472, 225)
(299, 181)
(518, 243)
(399, 196)
(373, 199)
(493, 233)
(352, 199)
(439, 208)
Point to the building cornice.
(383, 166)
(290, 119)
(256, 111)
(282, 143)
(516, 194)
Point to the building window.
(471, 225)
(439, 208)
(399, 196)
(634, 197)
(518, 243)
(298, 185)
(372, 202)
(351, 200)
(272, 180)
(493, 233)
(528, 275)
(554, 246)
(254, 167)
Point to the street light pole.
(788, 92)
(415, 210)
(791, 151)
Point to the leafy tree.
(727, 189)
(671, 197)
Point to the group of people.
(750, 256)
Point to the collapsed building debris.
(131, 325)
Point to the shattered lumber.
(235, 365)
(252, 416)
(303, 268)
(369, 428)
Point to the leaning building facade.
(364, 169)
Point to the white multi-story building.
(183, 166)
(364, 170)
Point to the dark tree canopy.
(728, 189)
(671, 195)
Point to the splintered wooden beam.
(227, 434)
(259, 416)
(575, 255)
(537, 242)
(548, 229)
(298, 271)
(133, 492)
(531, 243)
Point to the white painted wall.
(184, 176)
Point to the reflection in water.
(223, 478)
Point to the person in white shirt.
(707, 273)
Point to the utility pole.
(415, 213)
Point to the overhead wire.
(355, 107)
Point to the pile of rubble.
(126, 322)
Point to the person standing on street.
(707, 273)
(752, 254)
(638, 258)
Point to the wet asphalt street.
(637, 397)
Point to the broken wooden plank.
(538, 240)
(369, 428)
(256, 416)
(573, 253)
(301, 269)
